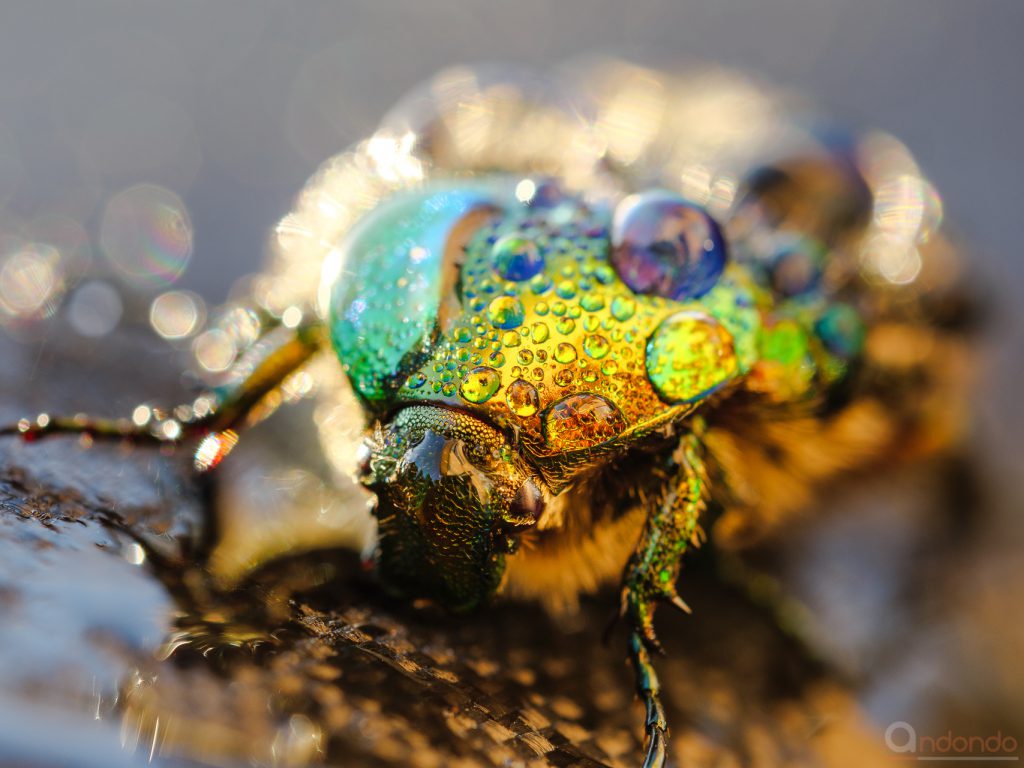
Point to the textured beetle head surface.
(452, 498)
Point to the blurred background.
(222, 110)
(147, 146)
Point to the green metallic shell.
(385, 302)
(544, 340)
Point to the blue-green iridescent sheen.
(386, 299)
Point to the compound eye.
(666, 246)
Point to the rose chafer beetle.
(560, 372)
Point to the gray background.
(232, 104)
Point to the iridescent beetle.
(568, 336)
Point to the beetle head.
(452, 497)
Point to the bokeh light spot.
(146, 234)
(95, 309)
(215, 350)
(176, 314)
(30, 281)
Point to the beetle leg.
(241, 400)
(650, 578)
(671, 526)
(648, 688)
(80, 424)
(259, 372)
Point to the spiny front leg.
(243, 398)
(650, 577)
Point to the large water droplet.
(665, 246)
(505, 312)
(480, 384)
(581, 421)
(516, 258)
(565, 353)
(689, 356)
(522, 398)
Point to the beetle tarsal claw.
(657, 750)
(648, 688)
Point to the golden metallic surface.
(630, 128)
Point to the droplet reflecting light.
(522, 398)
(141, 415)
(664, 245)
(176, 314)
(146, 234)
(215, 350)
(213, 449)
(689, 356)
(480, 384)
(30, 282)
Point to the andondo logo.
(907, 744)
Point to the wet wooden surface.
(118, 647)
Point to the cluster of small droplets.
(545, 317)
(547, 335)
(808, 339)
(385, 302)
